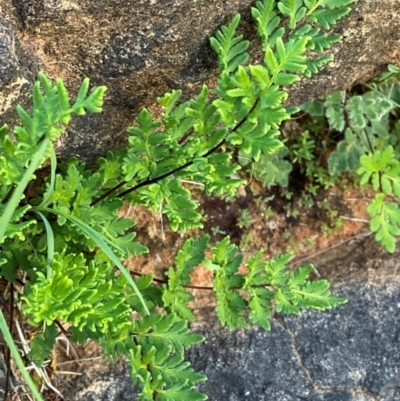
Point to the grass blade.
(53, 161)
(50, 243)
(13, 203)
(17, 357)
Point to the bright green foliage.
(82, 293)
(382, 170)
(51, 114)
(293, 9)
(157, 359)
(225, 264)
(265, 283)
(184, 136)
(324, 13)
(231, 49)
(68, 237)
(283, 62)
(329, 17)
(385, 221)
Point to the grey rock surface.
(143, 48)
(18, 72)
(351, 353)
(8, 61)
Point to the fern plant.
(370, 148)
(61, 244)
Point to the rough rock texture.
(348, 354)
(140, 49)
(8, 61)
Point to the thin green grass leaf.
(50, 243)
(17, 357)
(53, 161)
(19, 190)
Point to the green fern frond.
(189, 256)
(290, 56)
(163, 370)
(110, 168)
(385, 221)
(79, 293)
(260, 306)
(231, 49)
(264, 282)
(313, 65)
(174, 369)
(276, 269)
(268, 21)
(295, 291)
(316, 295)
(225, 262)
(257, 138)
(331, 4)
(180, 208)
(328, 17)
(322, 41)
(382, 169)
(93, 102)
(205, 119)
(293, 9)
(165, 330)
(217, 173)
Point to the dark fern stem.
(175, 170)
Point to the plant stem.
(177, 169)
(195, 287)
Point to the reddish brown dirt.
(336, 216)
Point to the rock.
(141, 49)
(8, 61)
(350, 353)
(17, 72)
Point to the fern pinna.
(76, 237)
